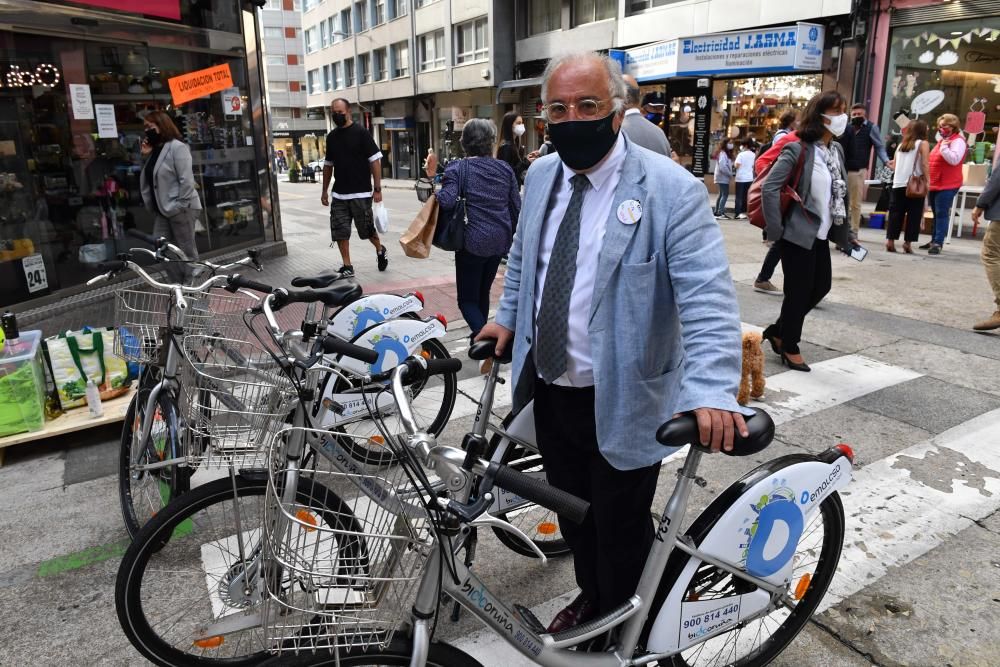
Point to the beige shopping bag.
(416, 240)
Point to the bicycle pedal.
(530, 619)
(700, 481)
(500, 380)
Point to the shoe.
(925, 246)
(794, 366)
(767, 287)
(934, 249)
(383, 261)
(741, 216)
(578, 611)
(890, 245)
(486, 366)
(769, 335)
(988, 324)
(346, 270)
(907, 248)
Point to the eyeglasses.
(586, 109)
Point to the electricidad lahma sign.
(193, 85)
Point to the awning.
(514, 84)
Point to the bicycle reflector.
(441, 318)
(210, 642)
(846, 450)
(420, 296)
(308, 519)
(803, 586)
(547, 528)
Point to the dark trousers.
(808, 276)
(474, 278)
(904, 209)
(610, 547)
(770, 263)
(741, 196)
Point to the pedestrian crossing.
(897, 508)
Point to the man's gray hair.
(617, 90)
(478, 137)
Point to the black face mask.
(152, 135)
(857, 121)
(340, 119)
(583, 143)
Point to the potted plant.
(293, 171)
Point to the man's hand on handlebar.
(503, 335)
(717, 428)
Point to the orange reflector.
(307, 518)
(547, 528)
(210, 642)
(425, 354)
(377, 440)
(846, 450)
(802, 586)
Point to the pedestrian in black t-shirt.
(351, 154)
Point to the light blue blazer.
(664, 322)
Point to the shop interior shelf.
(132, 97)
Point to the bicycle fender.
(394, 340)
(370, 310)
(757, 531)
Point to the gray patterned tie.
(553, 315)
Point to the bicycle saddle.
(684, 430)
(316, 282)
(342, 292)
(482, 350)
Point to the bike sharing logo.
(386, 344)
(777, 506)
(477, 597)
(363, 318)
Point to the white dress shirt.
(597, 203)
(821, 190)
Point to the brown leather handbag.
(916, 184)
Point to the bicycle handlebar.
(338, 346)
(237, 281)
(566, 505)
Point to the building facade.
(77, 78)
(419, 69)
(294, 131)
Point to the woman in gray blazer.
(803, 233)
(167, 185)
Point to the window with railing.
(432, 51)
(544, 16)
(588, 11)
(364, 68)
(472, 42)
(400, 60)
(381, 64)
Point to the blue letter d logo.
(787, 512)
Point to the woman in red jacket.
(945, 176)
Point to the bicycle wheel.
(184, 571)
(396, 653)
(143, 493)
(535, 521)
(758, 641)
(432, 401)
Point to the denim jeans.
(720, 203)
(474, 278)
(940, 202)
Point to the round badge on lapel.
(629, 212)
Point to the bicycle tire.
(178, 521)
(832, 514)
(519, 458)
(397, 653)
(170, 482)
(377, 454)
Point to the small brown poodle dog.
(752, 379)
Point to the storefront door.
(403, 154)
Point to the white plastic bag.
(381, 214)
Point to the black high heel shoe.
(804, 367)
(768, 335)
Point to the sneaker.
(767, 287)
(934, 250)
(925, 246)
(988, 324)
(721, 216)
(741, 216)
(346, 270)
(383, 261)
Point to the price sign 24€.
(34, 273)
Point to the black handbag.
(450, 232)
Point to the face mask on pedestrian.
(838, 123)
(340, 119)
(519, 129)
(945, 132)
(857, 121)
(729, 146)
(654, 117)
(152, 135)
(583, 143)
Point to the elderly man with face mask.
(621, 311)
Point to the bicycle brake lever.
(490, 520)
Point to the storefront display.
(946, 68)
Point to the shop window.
(381, 64)
(471, 42)
(588, 11)
(948, 67)
(223, 15)
(432, 51)
(349, 72)
(290, 33)
(400, 60)
(70, 188)
(293, 59)
(639, 6)
(544, 16)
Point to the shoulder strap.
(797, 174)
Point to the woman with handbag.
(804, 201)
(481, 197)
(909, 187)
(945, 172)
